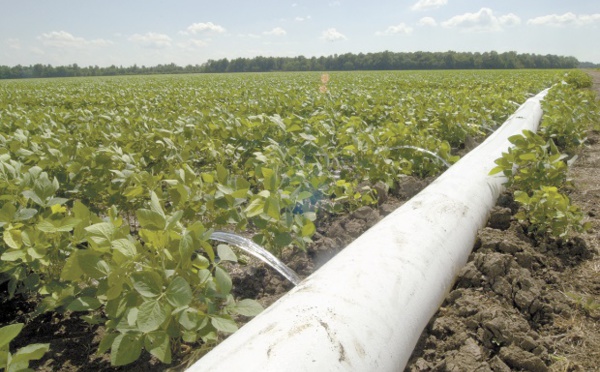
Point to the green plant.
(578, 79)
(168, 287)
(19, 361)
(548, 211)
(569, 112)
(531, 163)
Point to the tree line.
(393, 61)
(338, 62)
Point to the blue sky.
(127, 32)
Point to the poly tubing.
(365, 309)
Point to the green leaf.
(173, 219)
(521, 197)
(92, 265)
(226, 253)
(223, 280)
(151, 315)
(495, 170)
(204, 275)
(20, 359)
(272, 208)
(528, 156)
(68, 223)
(240, 193)
(125, 246)
(304, 195)
(207, 177)
(133, 192)
(222, 174)
(106, 343)
(514, 138)
(186, 246)
(283, 239)
(151, 220)
(308, 229)
(102, 230)
(125, 349)
(255, 207)
(56, 201)
(132, 317)
(71, 270)
(7, 212)
(147, 283)
(46, 226)
(58, 225)
(192, 319)
(179, 292)
(201, 262)
(9, 332)
(12, 256)
(225, 190)
(12, 238)
(248, 307)
(84, 304)
(155, 205)
(81, 211)
(159, 345)
(270, 181)
(25, 214)
(30, 194)
(223, 324)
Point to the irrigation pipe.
(365, 309)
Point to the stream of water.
(257, 251)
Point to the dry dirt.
(516, 306)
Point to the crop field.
(110, 187)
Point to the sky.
(152, 32)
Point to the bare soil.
(517, 305)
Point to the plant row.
(537, 164)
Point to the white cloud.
(402, 28)
(277, 31)
(427, 21)
(567, 19)
(63, 39)
(335, 3)
(331, 34)
(195, 28)
(482, 21)
(152, 40)
(302, 19)
(509, 19)
(428, 4)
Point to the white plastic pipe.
(366, 308)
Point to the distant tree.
(386, 60)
